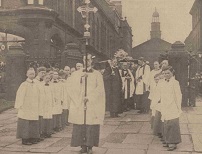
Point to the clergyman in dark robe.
(113, 88)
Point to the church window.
(41, 2)
(30, 2)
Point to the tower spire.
(155, 26)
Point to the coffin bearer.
(142, 86)
(86, 136)
(27, 104)
(128, 86)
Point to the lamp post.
(85, 11)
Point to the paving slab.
(115, 138)
(197, 141)
(112, 123)
(125, 146)
(47, 150)
(186, 145)
(71, 150)
(44, 144)
(24, 149)
(125, 151)
(197, 110)
(139, 139)
(146, 128)
(7, 140)
(129, 127)
(6, 116)
(183, 118)
(156, 140)
(194, 119)
(195, 128)
(165, 152)
(9, 152)
(137, 118)
(106, 130)
(10, 111)
(184, 129)
(8, 131)
(108, 119)
(63, 142)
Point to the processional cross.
(85, 11)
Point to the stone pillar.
(15, 70)
(71, 55)
(178, 59)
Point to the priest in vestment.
(86, 136)
(142, 86)
(127, 85)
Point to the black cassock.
(113, 90)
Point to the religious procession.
(51, 99)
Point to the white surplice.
(95, 93)
(27, 101)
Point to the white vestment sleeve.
(20, 95)
(146, 75)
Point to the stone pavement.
(128, 134)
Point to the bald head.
(79, 66)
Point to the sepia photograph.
(100, 76)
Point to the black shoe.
(83, 149)
(166, 145)
(90, 150)
(171, 148)
(48, 136)
(34, 140)
(26, 142)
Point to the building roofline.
(151, 40)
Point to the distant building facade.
(193, 42)
(153, 48)
(53, 29)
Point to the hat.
(123, 61)
(40, 69)
(135, 61)
(141, 58)
(55, 73)
(61, 73)
(167, 68)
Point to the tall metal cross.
(85, 11)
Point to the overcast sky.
(174, 17)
